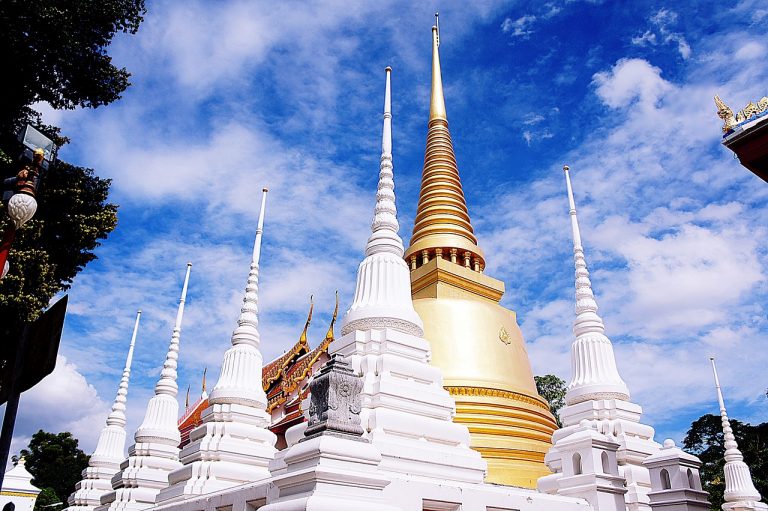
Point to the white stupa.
(407, 414)
(104, 463)
(740, 492)
(18, 492)
(233, 445)
(156, 451)
(597, 396)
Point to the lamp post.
(21, 204)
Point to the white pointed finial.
(259, 229)
(738, 480)
(384, 237)
(167, 382)
(247, 324)
(117, 415)
(593, 364)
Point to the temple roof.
(283, 375)
(280, 378)
(273, 371)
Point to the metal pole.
(12, 406)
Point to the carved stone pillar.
(413, 262)
(424, 256)
(467, 255)
(454, 254)
(334, 408)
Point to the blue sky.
(229, 97)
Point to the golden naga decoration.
(746, 113)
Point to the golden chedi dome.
(475, 341)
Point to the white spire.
(593, 363)
(233, 445)
(105, 460)
(384, 237)
(406, 411)
(383, 281)
(117, 416)
(156, 451)
(238, 384)
(740, 492)
(167, 382)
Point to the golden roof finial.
(437, 101)
(329, 335)
(205, 370)
(186, 401)
(726, 114)
(303, 338)
(442, 218)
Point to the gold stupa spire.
(475, 342)
(442, 227)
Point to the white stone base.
(141, 477)
(231, 447)
(406, 412)
(620, 421)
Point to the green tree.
(46, 500)
(705, 440)
(55, 462)
(552, 388)
(72, 216)
(55, 51)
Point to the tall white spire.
(597, 397)
(740, 492)
(233, 445)
(383, 282)
(236, 383)
(156, 451)
(105, 460)
(406, 412)
(384, 237)
(593, 364)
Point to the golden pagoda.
(475, 341)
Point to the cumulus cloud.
(62, 401)
(674, 239)
(631, 80)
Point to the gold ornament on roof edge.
(746, 113)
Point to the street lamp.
(21, 204)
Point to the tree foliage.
(552, 388)
(46, 500)
(55, 462)
(55, 51)
(72, 216)
(705, 440)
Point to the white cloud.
(520, 27)
(674, 236)
(630, 80)
(661, 33)
(62, 401)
